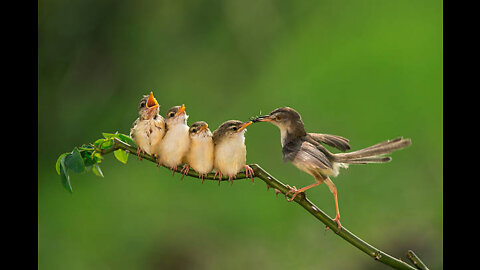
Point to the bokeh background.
(365, 70)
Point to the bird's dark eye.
(142, 104)
(278, 117)
(171, 114)
(234, 128)
(194, 130)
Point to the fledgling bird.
(306, 152)
(230, 150)
(148, 130)
(176, 142)
(200, 155)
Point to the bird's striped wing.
(303, 152)
(338, 142)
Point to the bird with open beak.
(230, 150)
(176, 141)
(306, 152)
(200, 155)
(148, 130)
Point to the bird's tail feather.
(374, 153)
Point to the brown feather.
(338, 142)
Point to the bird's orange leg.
(185, 170)
(296, 191)
(333, 189)
(249, 172)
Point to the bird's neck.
(291, 131)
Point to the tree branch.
(416, 261)
(300, 199)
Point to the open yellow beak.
(244, 125)
(204, 127)
(152, 102)
(181, 110)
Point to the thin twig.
(416, 261)
(301, 199)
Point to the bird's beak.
(181, 110)
(244, 125)
(263, 118)
(152, 102)
(204, 127)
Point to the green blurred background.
(365, 70)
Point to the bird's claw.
(185, 170)
(201, 175)
(139, 152)
(249, 173)
(173, 168)
(293, 190)
(219, 177)
(336, 220)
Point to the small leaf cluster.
(88, 157)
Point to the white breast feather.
(174, 145)
(148, 133)
(200, 155)
(230, 155)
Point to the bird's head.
(199, 130)
(177, 115)
(287, 120)
(148, 107)
(231, 129)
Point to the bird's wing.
(338, 142)
(133, 127)
(303, 152)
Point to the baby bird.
(200, 155)
(176, 141)
(230, 150)
(149, 128)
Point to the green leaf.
(75, 161)
(97, 171)
(98, 142)
(97, 157)
(121, 155)
(64, 175)
(107, 144)
(57, 165)
(108, 135)
(88, 158)
(126, 139)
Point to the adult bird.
(230, 150)
(148, 130)
(306, 152)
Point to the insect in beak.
(263, 118)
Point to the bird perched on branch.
(306, 152)
(230, 150)
(200, 155)
(176, 141)
(149, 128)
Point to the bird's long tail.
(374, 153)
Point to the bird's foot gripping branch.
(89, 156)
